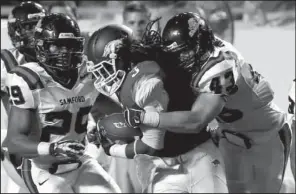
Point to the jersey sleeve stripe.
(211, 63)
(35, 76)
(27, 176)
(9, 60)
(22, 60)
(29, 76)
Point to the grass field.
(271, 50)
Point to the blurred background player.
(21, 24)
(136, 15)
(57, 92)
(68, 8)
(221, 79)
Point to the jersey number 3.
(63, 123)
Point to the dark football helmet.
(59, 46)
(108, 49)
(188, 40)
(21, 24)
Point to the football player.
(21, 23)
(166, 162)
(255, 139)
(136, 16)
(51, 99)
(68, 8)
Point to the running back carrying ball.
(114, 127)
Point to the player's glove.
(67, 148)
(105, 142)
(133, 116)
(92, 137)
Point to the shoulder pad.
(212, 62)
(218, 76)
(141, 69)
(30, 77)
(9, 60)
(144, 68)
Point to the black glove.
(67, 148)
(133, 117)
(105, 142)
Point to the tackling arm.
(206, 107)
(214, 88)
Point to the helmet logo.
(112, 47)
(193, 25)
(120, 125)
(66, 35)
(172, 46)
(36, 15)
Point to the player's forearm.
(178, 122)
(27, 148)
(131, 149)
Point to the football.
(115, 128)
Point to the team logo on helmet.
(120, 125)
(172, 46)
(112, 47)
(36, 15)
(194, 23)
(66, 35)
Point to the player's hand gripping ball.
(115, 128)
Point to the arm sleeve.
(20, 94)
(150, 95)
(220, 79)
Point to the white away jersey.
(62, 112)
(248, 95)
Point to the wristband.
(118, 150)
(151, 119)
(43, 148)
